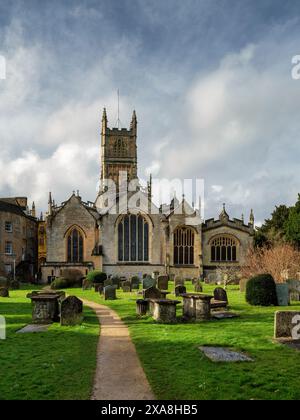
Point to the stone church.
(122, 232)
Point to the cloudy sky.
(210, 81)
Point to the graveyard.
(171, 354)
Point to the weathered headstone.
(180, 290)
(294, 296)
(71, 309)
(110, 293)
(163, 282)
(4, 282)
(86, 284)
(243, 284)
(101, 289)
(179, 281)
(287, 325)
(148, 282)
(4, 292)
(116, 281)
(171, 277)
(220, 294)
(126, 286)
(282, 291)
(142, 307)
(135, 283)
(108, 282)
(152, 293)
(14, 285)
(198, 288)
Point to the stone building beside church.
(133, 239)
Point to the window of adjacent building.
(184, 244)
(8, 227)
(133, 239)
(75, 246)
(8, 248)
(8, 268)
(224, 249)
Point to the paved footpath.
(119, 374)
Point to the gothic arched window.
(224, 249)
(133, 239)
(75, 246)
(184, 243)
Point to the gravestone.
(96, 287)
(110, 293)
(101, 289)
(171, 277)
(179, 281)
(71, 310)
(287, 325)
(148, 282)
(220, 294)
(86, 285)
(126, 286)
(180, 290)
(4, 282)
(135, 283)
(294, 296)
(243, 284)
(282, 291)
(116, 281)
(198, 288)
(142, 307)
(152, 293)
(4, 292)
(108, 282)
(163, 282)
(14, 285)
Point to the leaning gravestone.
(152, 293)
(220, 294)
(4, 292)
(180, 290)
(71, 311)
(163, 282)
(148, 282)
(126, 286)
(287, 325)
(110, 293)
(179, 281)
(243, 284)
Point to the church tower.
(118, 150)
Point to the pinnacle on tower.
(33, 213)
(133, 125)
(252, 219)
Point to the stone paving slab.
(33, 328)
(223, 354)
(224, 315)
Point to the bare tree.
(281, 261)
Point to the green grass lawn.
(57, 364)
(176, 368)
